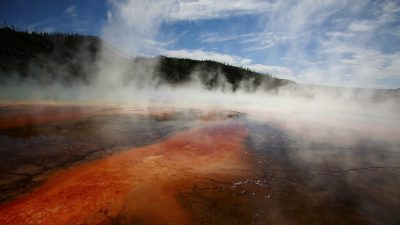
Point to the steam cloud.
(299, 110)
(113, 77)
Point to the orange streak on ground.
(141, 183)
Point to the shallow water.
(30, 153)
(131, 165)
(328, 181)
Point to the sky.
(352, 43)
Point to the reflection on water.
(329, 179)
(196, 167)
(29, 154)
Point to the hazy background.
(344, 43)
(335, 42)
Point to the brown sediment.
(138, 186)
(20, 115)
(199, 176)
(16, 115)
(30, 152)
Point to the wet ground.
(68, 164)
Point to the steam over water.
(207, 165)
(128, 147)
(89, 135)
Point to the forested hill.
(74, 58)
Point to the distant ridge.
(69, 59)
(73, 58)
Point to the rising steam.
(113, 77)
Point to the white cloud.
(109, 16)
(139, 19)
(245, 61)
(338, 34)
(71, 10)
(218, 37)
(157, 11)
(390, 12)
(262, 41)
(351, 65)
(205, 55)
(280, 71)
(257, 41)
(329, 41)
(362, 26)
(209, 9)
(387, 12)
(337, 42)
